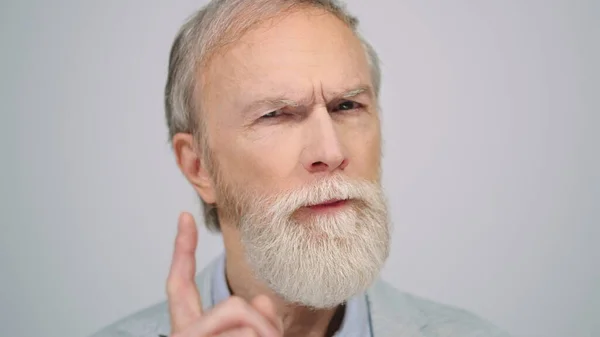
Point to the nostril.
(319, 165)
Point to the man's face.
(273, 109)
(293, 125)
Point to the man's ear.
(189, 160)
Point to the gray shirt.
(356, 321)
(387, 312)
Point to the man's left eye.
(347, 105)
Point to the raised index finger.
(183, 297)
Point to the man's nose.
(323, 151)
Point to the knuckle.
(172, 287)
(181, 241)
(248, 332)
(237, 302)
(241, 332)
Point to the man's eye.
(347, 105)
(272, 114)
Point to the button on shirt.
(356, 321)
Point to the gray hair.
(212, 27)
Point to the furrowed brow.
(269, 102)
(283, 101)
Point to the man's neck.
(297, 320)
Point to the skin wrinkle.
(282, 101)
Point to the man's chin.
(318, 257)
(320, 272)
(320, 293)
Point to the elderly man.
(272, 108)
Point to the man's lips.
(328, 204)
(328, 207)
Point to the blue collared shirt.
(356, 321)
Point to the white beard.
(325, 259)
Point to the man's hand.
(233, 317)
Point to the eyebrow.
(355, 92)
(281, 101)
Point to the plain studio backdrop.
(491, 165)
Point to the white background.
(491, 117)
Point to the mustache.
(337, 187)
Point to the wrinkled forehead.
(297, 54)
